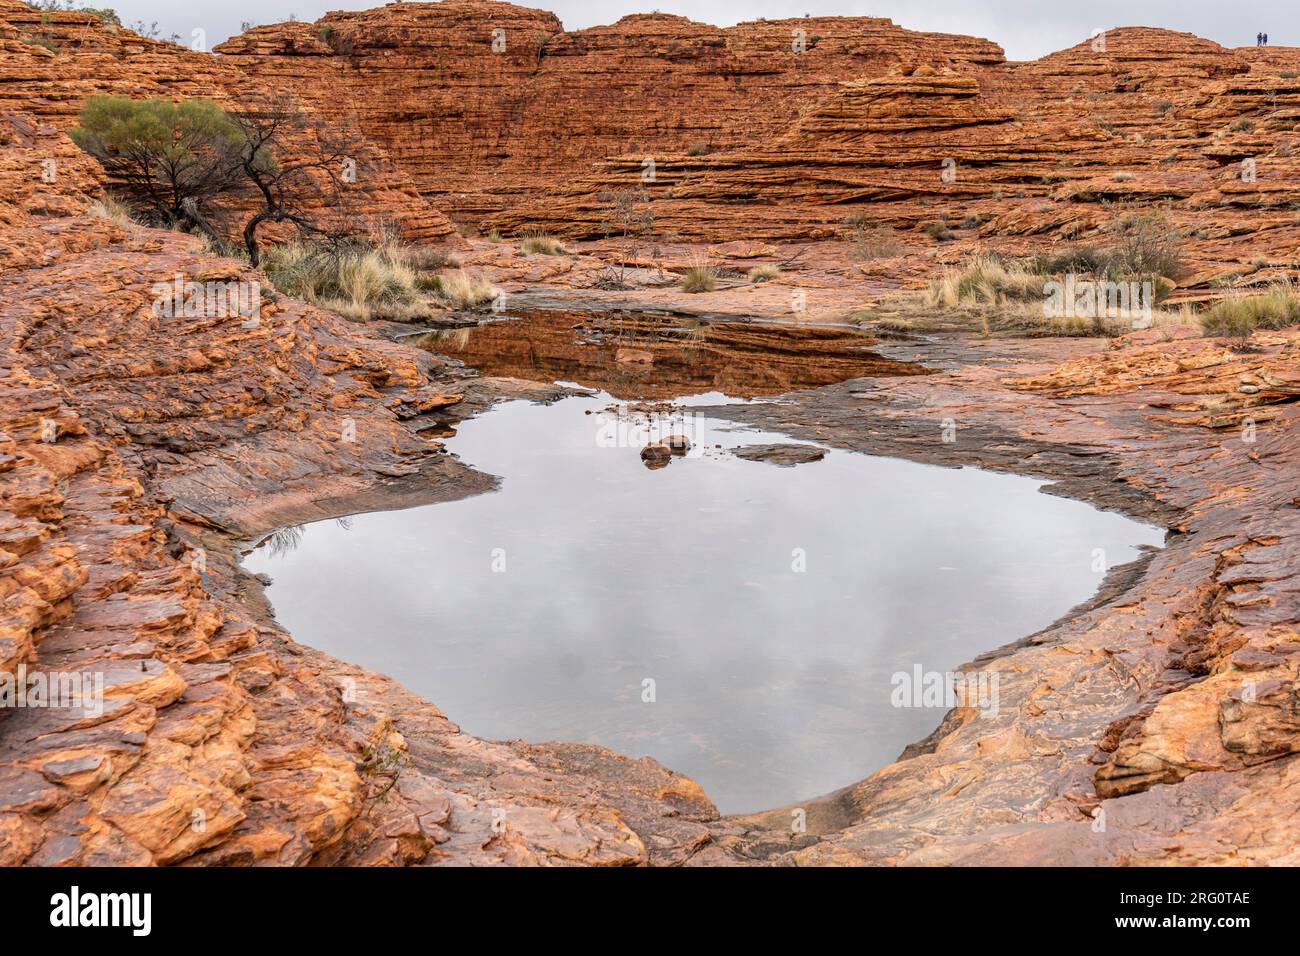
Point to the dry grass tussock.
(1277, 307)
(366, 280)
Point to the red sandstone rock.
(134, 457)
(92, 58)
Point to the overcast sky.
(1026, 29)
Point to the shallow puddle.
(743, 623)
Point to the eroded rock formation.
(484, 102)
(51, 62)
(763, 131)
(140, 452)
(136, 449)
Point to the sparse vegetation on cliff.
(181, 163)
(939, 231)
(173, 159)
(462, 290)
(628, 216)
(1238, 318)
(104, 14)
(365, 280)
(1011, 295)
(699, 279)
(987, 280)
(358, 280)
(871, 240)
(112, 209)
(542, 244)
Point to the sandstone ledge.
(1158, 725)
(168, 451)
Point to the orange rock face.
(135, 446)
(140, 450)
(484, 103)
(84, 57)
(761, 131)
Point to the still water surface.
(770, 606)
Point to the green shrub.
(939, 231)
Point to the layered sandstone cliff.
(51, 62)
(484, 103)
(139, 453)
(788, 129)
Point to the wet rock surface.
(783, 455)
(1157, 725)
(138, 453)
(1123, 733)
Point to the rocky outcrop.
(51, 62)
(140, 449)
(794, 129)
(783, 455)
(1014, 156)
(137, 448)
(1153, 725)
(486, 103)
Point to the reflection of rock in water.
(634, 357)
(645, 355)
(656, 455)
(678, 444)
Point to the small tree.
(628, 214)
(173, 158)
(176, 159)
(289, 191)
